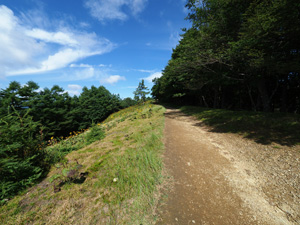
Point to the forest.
(31, 118)
(239, 55)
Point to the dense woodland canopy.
(238, 54)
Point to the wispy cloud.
(26, 49)
(129, 87)
(174, 39)
(153, 76)
(84, 25)
(83, 74)
(80, 65)
(146, 71)
(114, 9)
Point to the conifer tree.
(141, 92)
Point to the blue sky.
(77, 43)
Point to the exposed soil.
(222, 178)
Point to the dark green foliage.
(239, 55)
(58, 112)
(141, 92)
(16, 96)
(21, 154)
(127, 102)
(95, 104)
(52, 108)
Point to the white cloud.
(129, 87)
(103, 65)
(84, 25)
(152, 76)
(146, 71)
(80, 65)
(137, 6)
(59, 37)
(112, 79)
(86, 73)
(26, 49)
(77, 72)
(72, 92)
(74, 89)
(174, 39)
(113, 9)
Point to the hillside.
(114, 180)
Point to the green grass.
(124, 174)
(57, 151)
(264, 128)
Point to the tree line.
(238, 54)
(58, 112)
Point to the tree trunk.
(251, 99)
(283, 98)
(216, 98)
(264, 95)
(205, 103)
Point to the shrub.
(96, 133)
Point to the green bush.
(96, 133)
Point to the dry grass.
(124, 171)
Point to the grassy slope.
(124, 173)
(264, 128)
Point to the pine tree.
(141, 92)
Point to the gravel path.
(217, 180)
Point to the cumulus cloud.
(26, 49)
(112, 79)
(114, 9)
(153, 76)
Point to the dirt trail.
(212, 185)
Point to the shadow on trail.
(263, 128)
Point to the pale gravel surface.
(222, 178)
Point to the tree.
(141, 92)
(96, 104)
(239, 54)
(270, 46)
(52, 107)
(16, 96)
(127, 102)
(22, 159)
